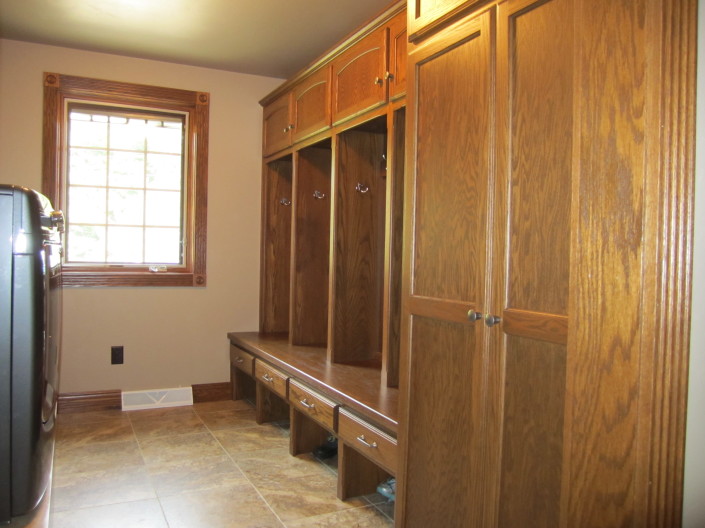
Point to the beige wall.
(172, 336)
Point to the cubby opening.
(359, 245)
(276, 245)
(311, 245)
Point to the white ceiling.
(275, 38)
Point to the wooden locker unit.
(355, 334)
(548, 162)
(276, 245)
(311, 242)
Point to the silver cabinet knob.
(491, 320)
(474, 316)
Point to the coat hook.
(285, 201)
(318, 195)
(361, 188)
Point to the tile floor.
(206, 466)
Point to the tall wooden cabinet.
(545, 278)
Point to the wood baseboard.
(206, 392)
(73, 402)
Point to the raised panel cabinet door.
(531, 264)
(277, 125)
(426, 14)
(443, 384)
(396, 72)
(358, 77)
(311, 105)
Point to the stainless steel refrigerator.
(30, 324)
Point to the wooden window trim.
(57, 89)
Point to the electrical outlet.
(117, 355)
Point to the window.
(128, 166)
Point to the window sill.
(75, 278)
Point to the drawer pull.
(362, 440)
(266, 377)
(305, 403)
(239, 360)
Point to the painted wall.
(172, 336)
(694, 500)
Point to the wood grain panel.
(355, 72)
(206, 392)
(356, 333)
(71, 402)
(397, 56)
(545, 327)
(309, 313)
(311, 105)
(532, 440)
(539, 161)
(276, 132)
(609, 255)
(372, 443)
(451, 197)
(445, 460)
(276, 246)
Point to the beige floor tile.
(264, 463)
(265, 436)
(98, 488)
(196, 474)
(138, 514)
(233, 507)
(177, 424)
(296, 498)
(367, 517)
(92, 417)
(229, 419)
(149, 414)
(226, 405)
(99, 456)
(173, 450)
(89, 433)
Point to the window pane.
(125, 245)
(88, 166)
(126, 207)
(127, 133)
(88, 133)
(163, 208)
(163, 245)
(86, 205)
(126, 169)
(85, 244)
(164, 171)
(164, 137)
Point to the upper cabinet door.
(426, 14)
(396, 73)
(277, 125)
(311, 105)
(358, 77)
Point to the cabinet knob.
(491, 320)
(379, 80)
(474, 316)
(389, 76)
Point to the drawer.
(242, 360)
(373, 443)
(272, 378)
(314, 405)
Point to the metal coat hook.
(318, 195)
(285, 201)
(361, 188)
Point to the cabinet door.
(443, 385)
(425, 14)
(396, 73)
(311, 105)
(531, 265)
(358, 77)
(277, 125)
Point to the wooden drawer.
(368, 440)
(272, 378)
(314, 405)
(242, 360)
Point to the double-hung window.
(127, 164)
